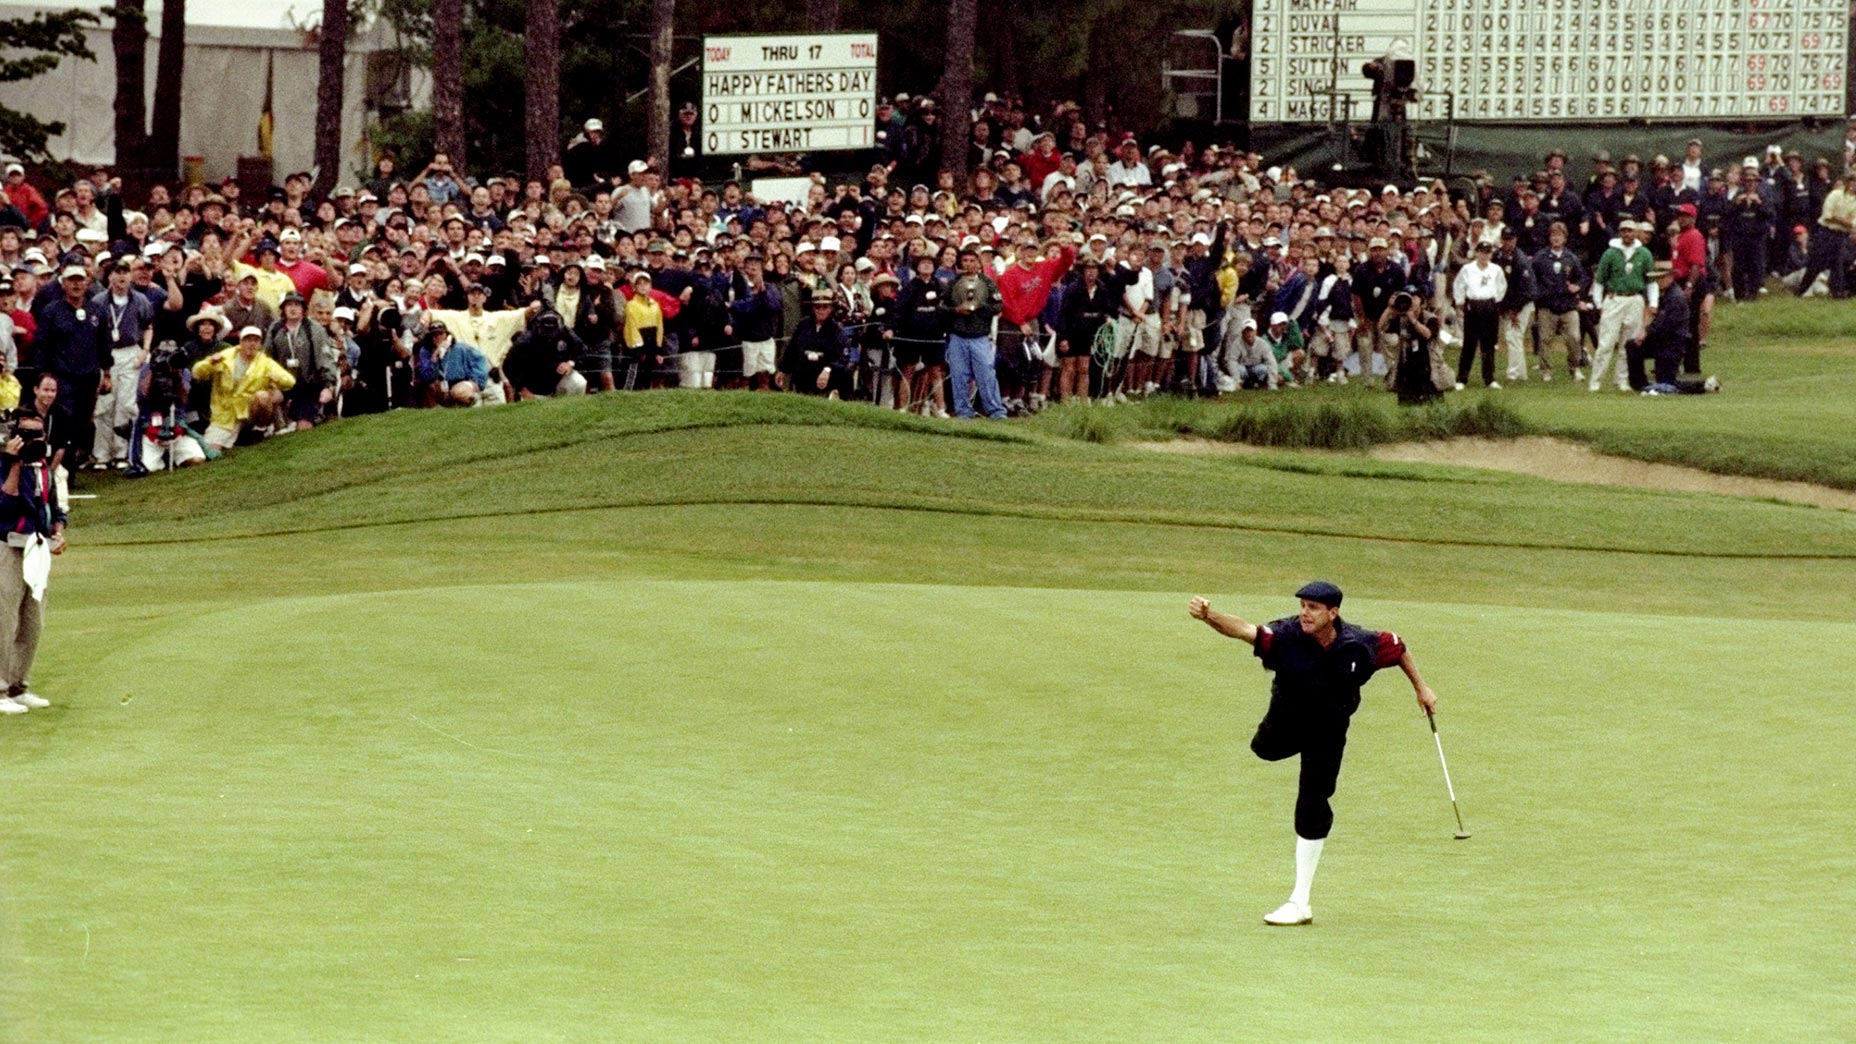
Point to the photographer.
(33, 520)
(1407, 319)
(543, 360)
(383, 374)
(162, 392)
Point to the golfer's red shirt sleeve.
(1389, 650)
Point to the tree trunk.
(330, 81)
(129, 39)
(542, 95)
(1095, 72)
(1005, 55)
(657, 130)
(170, 61)
(822, 15)
(448, 81)
(957, 89)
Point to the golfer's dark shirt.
(1322, 684)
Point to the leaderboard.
(1586, 60)
(768, 94)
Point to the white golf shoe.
(33, 702)
(1290, 913)
(8, 705)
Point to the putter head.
(1462, 835)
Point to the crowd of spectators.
(1054, 261)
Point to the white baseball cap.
(594, 125)
(14, 168)
(637, 167)
(1278, 317)
(289, 235)
(251, 331)
(357, 269)
(594, 263)
(343, 313)
(829, 244)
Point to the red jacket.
(29, 202)
(1023, 291)
(1037, 167)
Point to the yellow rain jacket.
(232, 398)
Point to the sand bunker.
(1560, 461)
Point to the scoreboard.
(1532, 60)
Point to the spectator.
(21, 194)
(542, 360)
(1253, 359)
(589, 159)
(817, 360)
(73, 345)
(752, 317)
(312, 356)
(1559, 280)
(248, 389)
(1480, 290)
(1830, 238)
(1517, 305)
(129, 329)
(644, 334)
(968, 307)
(1619, 288)
(921, 338)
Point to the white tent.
(223, 91)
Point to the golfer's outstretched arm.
(1224, 623)
(1426, 698)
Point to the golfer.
(1320, 664)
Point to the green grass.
(1788, 407)
(669, 718)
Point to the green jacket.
(1620, 276)
(1291, 342)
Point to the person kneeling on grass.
(1284, 341)
(1251, 358)
(248, 389)
(304, 345)
(818, 357)
(1665, 341)
(1320, 663)
(544, 360)
(452, 373)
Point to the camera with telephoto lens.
(1401, 302)
(167, 384)
(33, 447)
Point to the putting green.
(755, 810)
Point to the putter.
(1462, 832)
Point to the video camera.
(167, 382)
(29, 429)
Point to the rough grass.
(1288, 421)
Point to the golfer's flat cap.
(1321, 591)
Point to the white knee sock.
(1307, 855)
